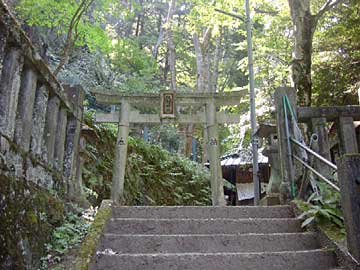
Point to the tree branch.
(206, 38)
(70, 40)
(326, 7)
(269, 12)
(237, 16)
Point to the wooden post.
(322, 146)
(9, 93)
(39, 116)
(349, 179)
(347, 135)
(51, 126)
(25, 109)
(286, 166)
(217, 186)
(121, 154)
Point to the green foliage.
(116, 39)
(203, 14)
(154, 176)
(138, 68)
(169, 136)
(322, 209)
(57, 15)
(65, 237)
(272, 44)
(337, 56)
(97, 172)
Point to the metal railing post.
(283, 134)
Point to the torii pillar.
(210, 117)
(217, 185)
(117, 192)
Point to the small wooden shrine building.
(237, 169)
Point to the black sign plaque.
(168, 104)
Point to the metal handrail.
(286, 106)
(310, 151)
(317, 173)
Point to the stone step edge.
(210, 235)
(204, 219)
(201, 207)
(192, 254)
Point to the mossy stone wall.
(27, 215)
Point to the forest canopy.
(194, 45)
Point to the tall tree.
(206, 80)
(305, 23)
(215, 72)
(171, 45)
(202, 60)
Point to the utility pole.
(254, 141)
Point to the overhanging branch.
(231, 14)
(326, 7)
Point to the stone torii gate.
(204, 110)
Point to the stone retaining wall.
(40, 123)
(40, 120)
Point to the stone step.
(203, 212)
(202, 226)
(293, 260)
(209, 243)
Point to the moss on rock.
(27, 215)
(88, 247)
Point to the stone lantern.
(269, 133)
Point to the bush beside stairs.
(212, 238)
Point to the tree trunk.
(199, 63)
(166, 68)
(203, 77)
(140, 20)
(202, 60)
(138, 25)
(171, 45)
(160, 38)
(304, 26)
(207, 72)
(215, 73)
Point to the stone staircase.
(221, 238)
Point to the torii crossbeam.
(204, 111)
